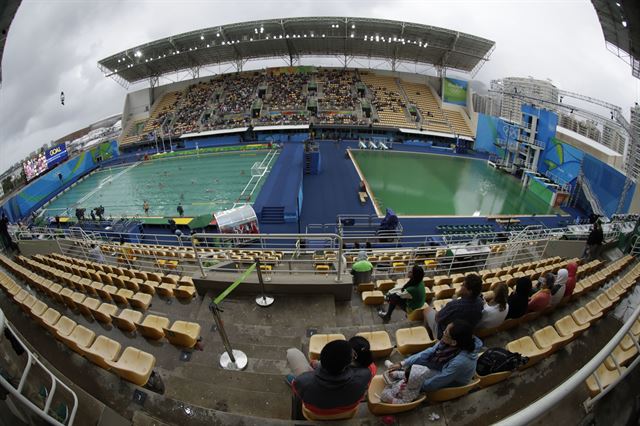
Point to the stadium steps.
(273, 215)
(202, 390)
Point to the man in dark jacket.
(335, 387)
(467, 307)
(594, 242)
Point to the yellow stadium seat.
(491, 379)
(548, 337)
(375, 297)
(318, 341)
(152, 327)
(50, 318)
(184, 292)
(140, 301)
(413, 340)
(311, 416)
(127, 319)
(104, 312)
(79, 339)
(384, 285)
(380, 408)
(567, 327)
(605, 376)
(102, 351)
(366, 287)
(64, 327)
(183, 333)
(379, 341)
(133, 365)
(527, 347)
(165, 290)
(447, 394)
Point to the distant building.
(488, 104)
(518, 90)
(633, 154)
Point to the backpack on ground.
(496, 360)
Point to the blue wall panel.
(40, 191)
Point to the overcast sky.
(54, 45)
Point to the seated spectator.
(404, 386)
(467, 307)
(558, 290)
(361, 269)
(542, 298)
(410, 297)
(495, 311)
(362, 356)
(334, 387)
(519, 299)
(571, 279)
(453, 359)
(96, 253)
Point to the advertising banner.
(455, 91)
(56, 154)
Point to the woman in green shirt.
(412, 295)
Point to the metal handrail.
(482, 250)
(544, 404)
(17, 393)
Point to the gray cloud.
(55, 45)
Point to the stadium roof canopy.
(291, 38)
(620, 22)
(8, 9)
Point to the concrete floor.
(198, 391)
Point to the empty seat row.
(181, 333)
(109, 286)
(132, 364)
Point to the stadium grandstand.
(167, 276)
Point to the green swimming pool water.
(203, 184)
(439, 185)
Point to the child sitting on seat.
(403, 386)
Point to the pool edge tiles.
(457, 187)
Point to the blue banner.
(56, 154)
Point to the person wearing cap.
(361, 269)
(335, 387)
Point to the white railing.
(391, 255)
(18, 393)
(554, 397)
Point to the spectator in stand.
(519, 299)
(335, 387)
(594, 242)
(495, 311)
(560, 286)
(571, 279)
(453, 359)
(361, 269)
(542, 298)
(411, 297)
(96, 253)
(362, 356)
(467, 307)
